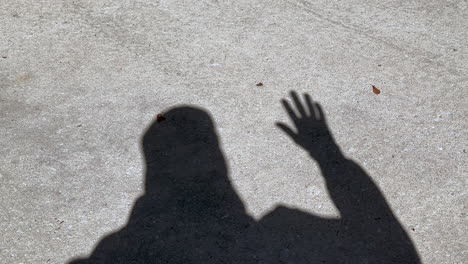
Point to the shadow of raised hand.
(312, 132)
(367, 231)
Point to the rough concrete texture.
(81, 80)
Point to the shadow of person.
(366, 232)
(189, 212)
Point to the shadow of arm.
(366, 216)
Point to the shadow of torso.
(292, 236)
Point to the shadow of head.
(185, 130)
(184, 160)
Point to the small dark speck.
(79, 125)
(380, 65)
(375, 90)
(393, 156)
(454, 49)
(4, 57)
(15, 15)
(464, 151)
(160, 118)
(260, 84)
(378, 218)
(413, 229)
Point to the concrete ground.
(81, 80)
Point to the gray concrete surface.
(81, 80)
